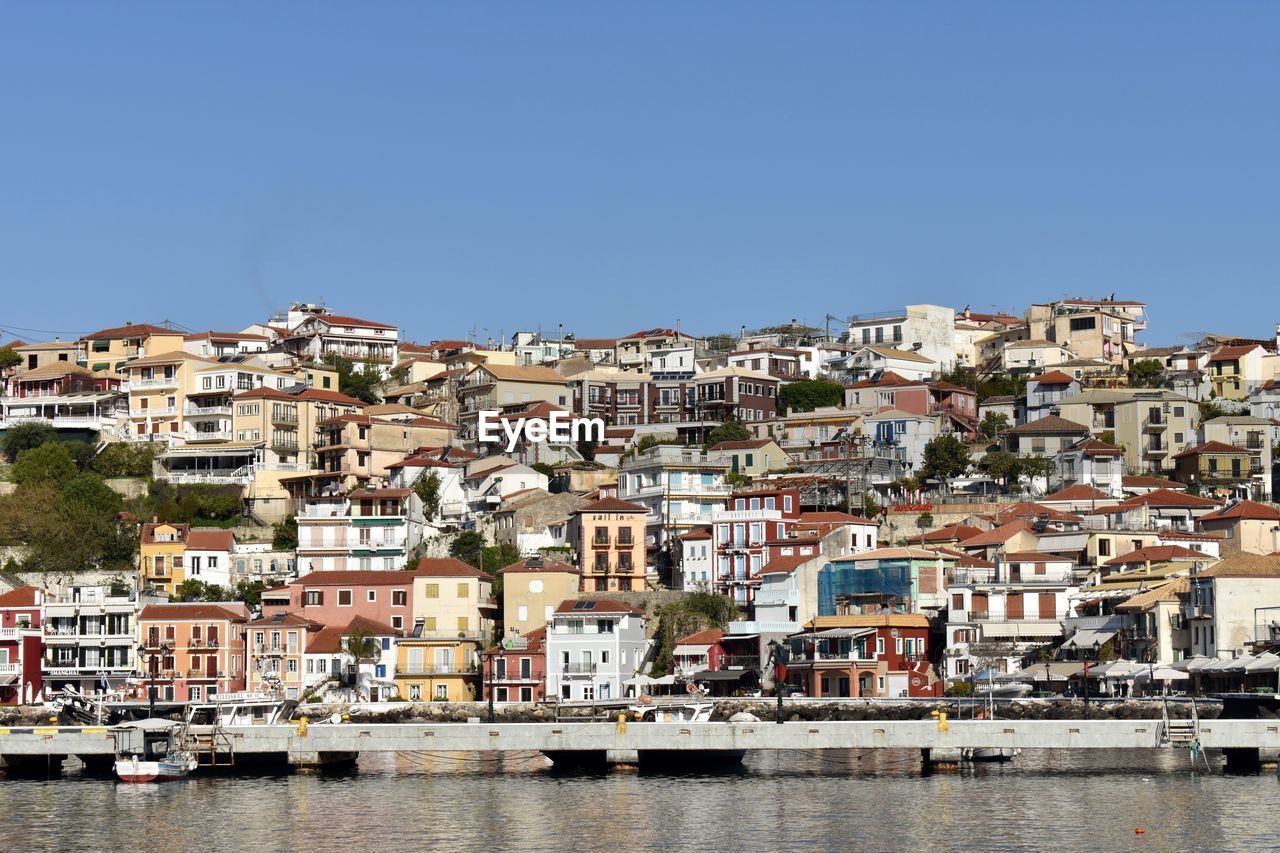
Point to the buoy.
(1139, 831)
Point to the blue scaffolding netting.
(889, 580)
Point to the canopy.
(1265, 662)
(1057, 671)
(687, 651)
(639, 681)
(1161, 673)
(834, 633)
(721, 675)
(1087, 639)
(1193, 664)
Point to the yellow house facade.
(437, 668)
(531, 590)
(112, 349)
(453, 599)
(161, 556)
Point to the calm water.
(787, 800)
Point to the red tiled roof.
(1048, 425)
(343, 320)
(749, 444)
(1163, 497)
(1158, 554)
(211, 540)
(534, 638)
(1212, 447)
(612, 505)
(785, 565)
(446, 567)
(149, 531)
(700, 533)
(1232, 353)
(709, 637)
(1054, 377)
(1248, 510)
(1143, 481)
(547, 564)
(1094, 447)
(132, 330)
(999, 535)
(23, 596)
(950, 533)
(178, 612)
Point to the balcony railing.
(579, 668)
(273, 649)
(207, 435)
(432, 669)
(284, 417)
(600, 543)
(207, 411)
(155, 382)
(154, 412)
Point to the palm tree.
(362, 646)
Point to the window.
(442, 691)
(463, 623)
(879, 645)
(291, 665)
(373, 595)
(397, 622)
(463, 590)
(604, 656)
(535, 586)
(432, 590)
(344, 598)
(604, 626)
(399, 598)
(1083, 324)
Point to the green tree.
(809, 394)
(284, 534)
(870, 506)
(362, 383)
(191, 589)
(48, 463)
(427, 488)
(1211, 409)
(250, 592)
(1036, 466)
(125, 459)
(924, 521)
(944, 457)
(728, 431)
(1001, 465)
(586, 448)
(737, 481)
(89, 490)
(1147, 373)
(9, 359)
(468, 546)
(687, 615)
(27, 436)
(362, 646)
(544, 468)
(993, 423)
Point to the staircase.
(1180, 732)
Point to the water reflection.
(838, 800)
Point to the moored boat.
(153, 751)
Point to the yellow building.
(437, 668)
(491, 387)
(753, 457)
(453, 599)
(287, 421)
(531, 590)
(161, 555)
(111, 349)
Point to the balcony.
(286, 417)
(1155, 424)
(740, 662)
(287, 444)
(204, 674)
(207, 411)
(207, 435)
(600, 544)
(8, 633)
(379, 545)
(808, 656)
(578, 668)
(1197, 611)
(225, 476)
(433, 669)
(154, 382)
(154, 412)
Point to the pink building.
(334, 598)
(20, 645)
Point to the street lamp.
(151, 680)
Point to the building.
(1217, 467)
(334, 598)
(89, 635)
(533, 520)
(438, 667)
(995, 615)
(317, 336)
(1104, 329)
(1158, 629)
(1230, 607)
(191, 651)
(66, 396)
(1090, 463)
(1235, 372)
(929, 330)
(1254, 435)
(111, 349)
(697, 559)
(680, 487)
(21, 646)
(453, 598)
(1246, 526)
(277, 647)
(1044, 437)
(331, 669)
(531, 590)
(899, 580)
(1045, 391)
(1149, 425)
(871, 362)
(162, 556)
(874, 655)
(355, 448)
(752, 458)
(740, 536)
(636, 350)
(287, 422)
(492, 387)
(516, 668)
(593, 646)
(609, 537)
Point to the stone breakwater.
(802, 711)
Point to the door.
(978, 606)
(1048, 605)
(1014, 606)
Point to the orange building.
(611, 546)
(192, 651)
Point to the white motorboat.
(655, 711)
(241, 709)
(153, 751)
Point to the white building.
(208, 556)
(593, 646)
(997, 613)
(696, 560)
(926, 329)
(89, 639)
(680, 487)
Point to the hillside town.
(909, 503)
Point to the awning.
(722, 675)
(834, 634)
(1086, 639)
(1055, 671)
(8, 679)
(687, 651)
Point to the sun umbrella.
(1161, 673)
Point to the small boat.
(153, 751)
(672, 712)
(990, 753)
(241, 709)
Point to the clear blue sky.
(616, 166)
